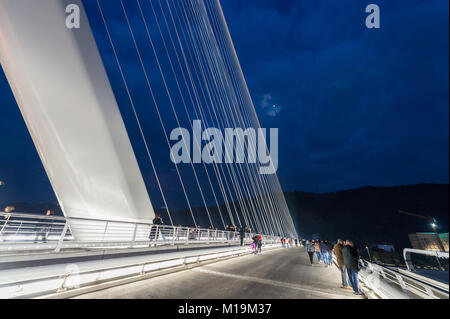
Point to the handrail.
(389, 283)
(408, 251)
(407, 285)
(19, 232)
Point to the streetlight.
(439, 241)
(433, 224)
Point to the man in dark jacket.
(242, 235)
(157, 227)
(351, 258)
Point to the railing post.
(156, 234)
(134, 234)
(18, 228)
(104, 231)
(4, 225)
(400, 281)
(61, 239)
(175, 233)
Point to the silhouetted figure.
(156, 227)
(311, 250)
(255, 244)
(242, 235)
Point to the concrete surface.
(280, 273)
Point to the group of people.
(288, 243)
(322, 249)
(347, 259)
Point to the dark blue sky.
(355, 107)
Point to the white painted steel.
(26, 232)
(62, 89)
(44, 280)
(391, 284)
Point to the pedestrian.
(260, 243)
(317, 249)
(255, 244)
(242, 235)
(310, 249)
(156, 227)
(351, 261)
(324, 253)
(337, 250)
(330, 252)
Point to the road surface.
(280, 273)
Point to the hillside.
(370, 214)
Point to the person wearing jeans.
(324, 250)
(337, 250)
(317, 248)
(351, 259)
(310, 249)
(353, 280)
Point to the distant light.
(433, 225)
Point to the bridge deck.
(280, 273)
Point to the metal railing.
(408, 252)
(390, 283)
(19, 232)
(68, 281)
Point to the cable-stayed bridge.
(138, 109)
(181, 54)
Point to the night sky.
(354, 106)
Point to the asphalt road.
(280, 273)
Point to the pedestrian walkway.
(280, 273)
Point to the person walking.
(311, 250)
(337, 250)
(317, 250)
(325, 253)
(255, 244)
(330, 252)
(242, 235)
(351, 261)
(259, 243)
